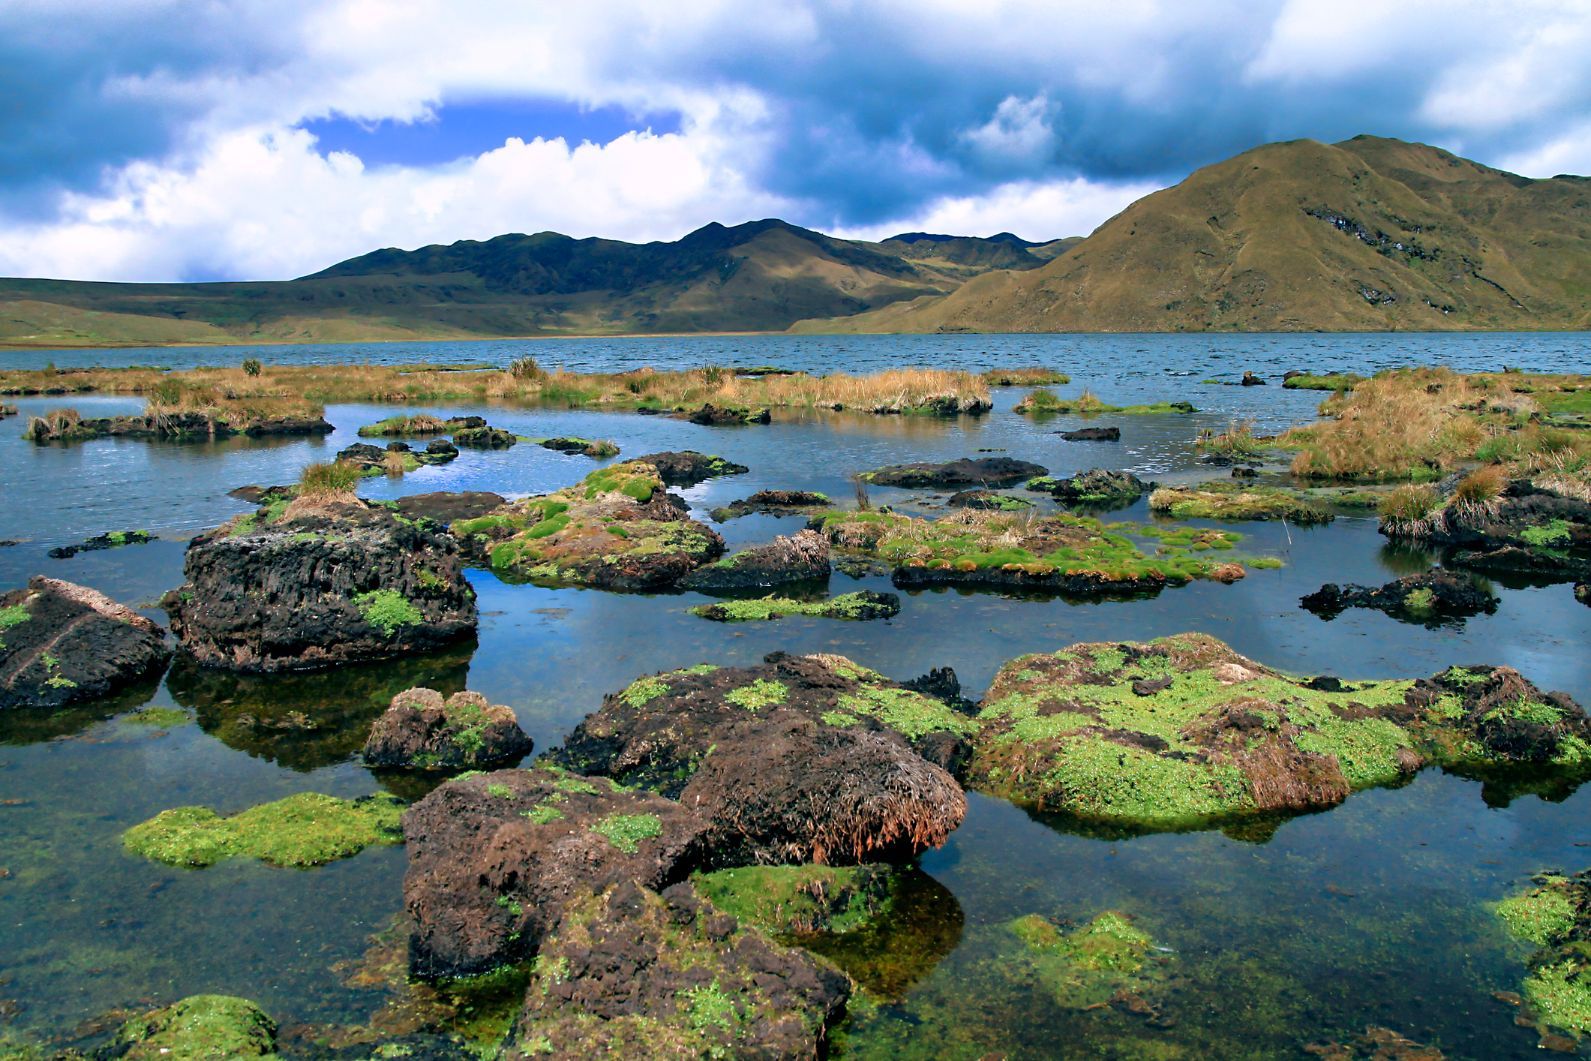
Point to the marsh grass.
(335, 480)
(1236, 441)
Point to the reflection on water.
(1279, 934)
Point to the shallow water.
(1372, 913)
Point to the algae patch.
(306, 829)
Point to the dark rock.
(803, 557)
(773, 502)
(1507, 716)
(1432, 597)
(985, 471)
(1148, 687)
(581, 446)
(494, 859)
(1582, 592)
(1325, 683)
(254, 494)
(484, 437)
(446, 507)
(1251, 380)
(364, 455)
(423, 731)
(631, 973)
(112, 540)
(171, 427)
(688, 467)
(325, 583)
(438, 451)
(1094, 487)
(942, 684)
(728, 416)
(1244, 472)
(1528, 530)
(1292, 372)
(1092, 434)
(988, 500)
(61, 643)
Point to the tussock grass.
(1236, 441)
(329, 481)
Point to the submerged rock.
(802, 900)
(494, 858)
(711, 415)
(424, 731)
(1092, 434)
(687, 467)
(318, 584)
(617, 529)
(1431, 597)
(1375, 1044)
(773, 503)
(61, 643)
(110, 540)
(1183, 732)
(1555, 916)
(634, 973)
(968, 471)
(199, 1028)
(1094, 487)
(803, 557)
(1108, 961)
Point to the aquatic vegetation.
(1034, 376)
(860, 605)
(1091, 965)
(159, 717)
(1330, 381)
(306, 829)
(800, 900)
(1237, 442)
(1230, 501)
(1555, 916)
(1043, 402)
(199, 1028)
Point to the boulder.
(445, 507)
(635, 973)
(319, 584)
(1094, 487)
(422, 730)
(1092, 434)
(1251, 380)
(484, 437)
(711, 415)
(773, 503)
(438, 451)
(585, 447)
(110, 540)
(803, 557)
(968, 471)
(198, 1027)
(688, 467)
(61, 643)
(1582, 592)
(495, 858)
(1431, 597)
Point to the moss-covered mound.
(597, 449)
(801, 900)
(1097, 487)
(1488, 522)
(1043, 402)
(1329, 381)
(307, 829)
(1065, 554)
(418, 425)
(1555, 916)
(1230, 501)
(1183, 732)
(422, 730)
(698, 984)
(108, 540)
(615, 529)
(199, 1028)
(859, 606)
(773, 503)
(687, 467)
(802, 557)
(967, 471)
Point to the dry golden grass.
(334, 480)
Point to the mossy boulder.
(484, 437)
(800, 759)
(687, 467)
(634, 973)
(967, 471)
(447, 506)
(1183, 732)
(418, 425)
(1433, 597)
(802, 557)
(307, 829)
(1234, 502)
(1554, 916)
(494, 859)
(710, 415)
(311, 585)
(397, 456)
(108, 540)
(1096, 488)
(1527, 529)
(598, 449)
(859, 606)
(773, 503)
(199, 1028)
(1065, 554)
(988, 500)
(61, 643)
(617, 529)
(422, 730)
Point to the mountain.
(1367, 234)
(760, 276)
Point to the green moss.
(643, 691)
(1547, 535)
(710, 1006)
(159, 717)
(388, 610)
(626, 831)
(1334, 381)
(1223, 501)
(13, 616)
(499, 790)
(575, 784)
(759, 694)
(1366, 749)
(1542, 915)
(911, 714)
(852, 606)
(544, 813)
(1560, 993)
(1100, 779)
(840, 718)
(800, 899)
(306, 829)
(199, 1028)
(1536, 712)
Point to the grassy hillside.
(761, 276)
(1367, 234)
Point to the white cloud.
(1018, 132)
(1036, 210)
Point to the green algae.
(643, 691)
(1555, 916)
(10, 617)
(759, 694)
(1539, 915)
(1330, 381)
(1090, 965)
(857, 606)
(909, 713)
(626, 831)
(797, 900)
(159, 717)
(306, 829)
(199, 1028)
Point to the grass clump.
(1237, 442)
(329, 480)
(1224, 501)
(1331, 381)
(1045, 402)
(1032, 376)
(307, 829)
(626, 831)
(388, 610)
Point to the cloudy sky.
(232, 139)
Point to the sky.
(162, 140)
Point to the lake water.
(1370, 914)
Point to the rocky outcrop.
(420, 425)
(110, 540)
(687, 467)
(617, 529)
(711, 415)
(484, 437)
(803, 557)
(988, 501)
(1097, 487)
(66, 425)
(635, 973)
(773, 503)
(399, 455)
(320, 584)
(585, 447)
(445, 507)
(422, 730)
(984, 471)
(1527, 530)
(62, 643)
(1433, 597)
(495, 858)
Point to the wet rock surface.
(968, 471)
(803, 557)
(201, 1026)
(688, 467)
(445, 507)
(632, 972)
(710, 415)
(61, 643)
(773, 503)
(422, 730)
(320, 584)
(1097, 486)
(494, 859)
(109, 540)
(1092, 434)
(617, 529)
(1433, 597)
